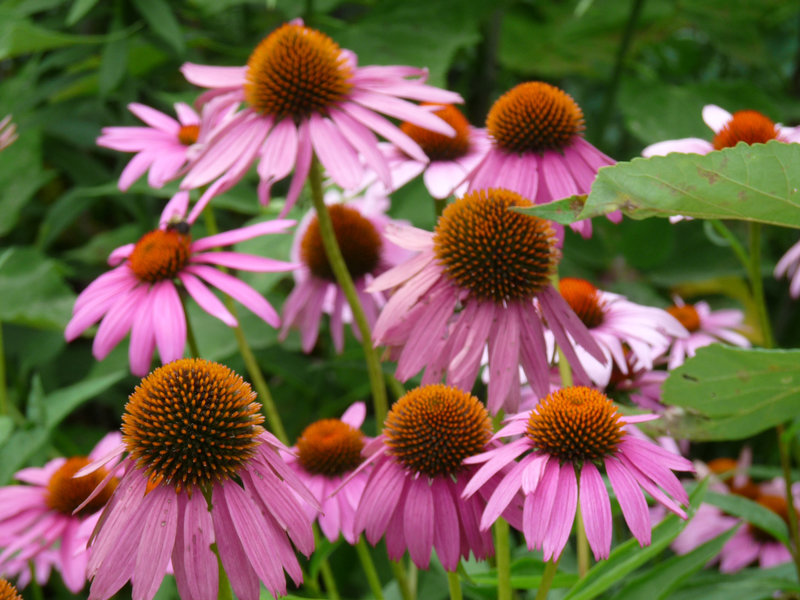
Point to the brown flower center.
(576, 424)
(432, 428)
(190, 423)
(330, 447)
(748, 126)
(534, 117)
(296, 71)
(358, 240)
(160, 255)
(438, 146)
(187, 134)
(687, 315)
(584, 299)
(65, 493)
(8, 591)
(496, 253)
(728, 467)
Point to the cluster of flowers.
(194, 467)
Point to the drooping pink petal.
(239, 291)
(199, 561)
(245, 262)
(365, 142)
(156, 542)
(385, 128)
(214, 77)
(446, 538)
(335, 152)
(504, 340)
(169, 321)
(234, 236)
(206, 299)
(563, 513)
(418, 521)
(302, 166)
(631, 500)
(243, 578)
(596, 510)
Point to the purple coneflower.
(563, 441)
(141, 296)
(413, 495)
(200, 471)
(359, 226)
(304, 95)
(474, 281)
(39, 521)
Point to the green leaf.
(758, 183)
(564, 211)
(162, 21)
(659, 582)
(113, 61)
(752, 512)
(526, 574)
(734, 393)
(748, 584)
(629, 556)
(78, 10)
(20, 36)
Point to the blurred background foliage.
(641, 70)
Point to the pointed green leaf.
(563, 211)
(162, 21)
(752, 512)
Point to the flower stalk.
(502, 549)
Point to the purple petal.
(206, 299)
(596, 511)
(245, 262)
(234, 236)
(214, 77)
(446, 538)
(418, 521)
(157, 539)
(243, 578)
(335, 152)
(239, 291)
(563, 514)
(631, 500)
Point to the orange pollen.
(8, 591)
(190, 423)
(66, 493)
(358, 240)
(576, 424)
(187, 134)
(438, 146)
(160, 255)
(330, 447)
(584, 299)
(534, 117)
(433, 428)
(687, 315)
(296, 71)
(727, 467)
(496, 253)
(747, 126)
(776, 504)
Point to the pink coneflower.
(141, 296)
(359, 226)
(304, 95)
(39, 521)
(538, 148)
(413, 495)
(747, 126)
(8, 132)
(705, 327)
(163, 147)
(564, 440)
(200, 470)
(789, 266)
(474, 281)
(326, 454)
(618, 324)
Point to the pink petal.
(214, 77)
(418, 521)
(243, 578)
(157, 539)
(206, 299)
(385, 128)
(365, 142)
(355, 414)
(302, 166)
(245, 262)
(234, 236)
(238, 290)
(563, 514)
(715, 117)
(335, 152)
(596, 510)
(169, 321)
(154, 118)
(117, 322)
(631, 500)
(503, 359)
(446, 538)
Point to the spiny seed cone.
(159, 255)
(747, 126)
(584, 299)
(438, 146)
(330, 447)
(65, 493)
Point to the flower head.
(141, 294)
(8, 591)
(48, 521)
(304, 95)
(538, 149)
(482, 276)
(8, 132)
(201, 470)
(565, 441)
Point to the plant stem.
(583, 544)
(397, 388)
(733, 242)
(339, 268)
(794, 532)
(36, 589)
(369, 568)
(402, 581)
(757, 285)
(253, 369)
(550, 569)
(3, 384)
(502, 554)
(190, 338)
(329, 579)
(454, 584)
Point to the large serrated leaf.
(760, 182)
(734, 393)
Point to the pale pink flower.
(483, 276)
(140, 295)
(224, 483)
(360, 226)
(643, 387)
(561, 442)
(40, 523)
(8, 132)
(705, 327)
(538, 149)
(747, 126)
(789, 266)
(305, 96)
(324, 458)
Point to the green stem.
(402, 581)
(330, 582)
(253, 368)
(397, 388)
(757, 285)
(794, 532)
(550, 569)
(369, 569)
(3, 385)
(36, 589)
(502, 553)
(190, 337)
(583, 544)
(733, 242)
(339, 268)
(454, 584)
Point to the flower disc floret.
(330, 447)
(584, 299)
(496, 253)
(65, 493)
(748, 126)
(358, 239)
(8, 591)
(296, 71)
(160, 255)
(432, 428)
(534, 117)
(687, 315)
(188, 134)
(191, 423)
(436, 145)
(576, 424)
